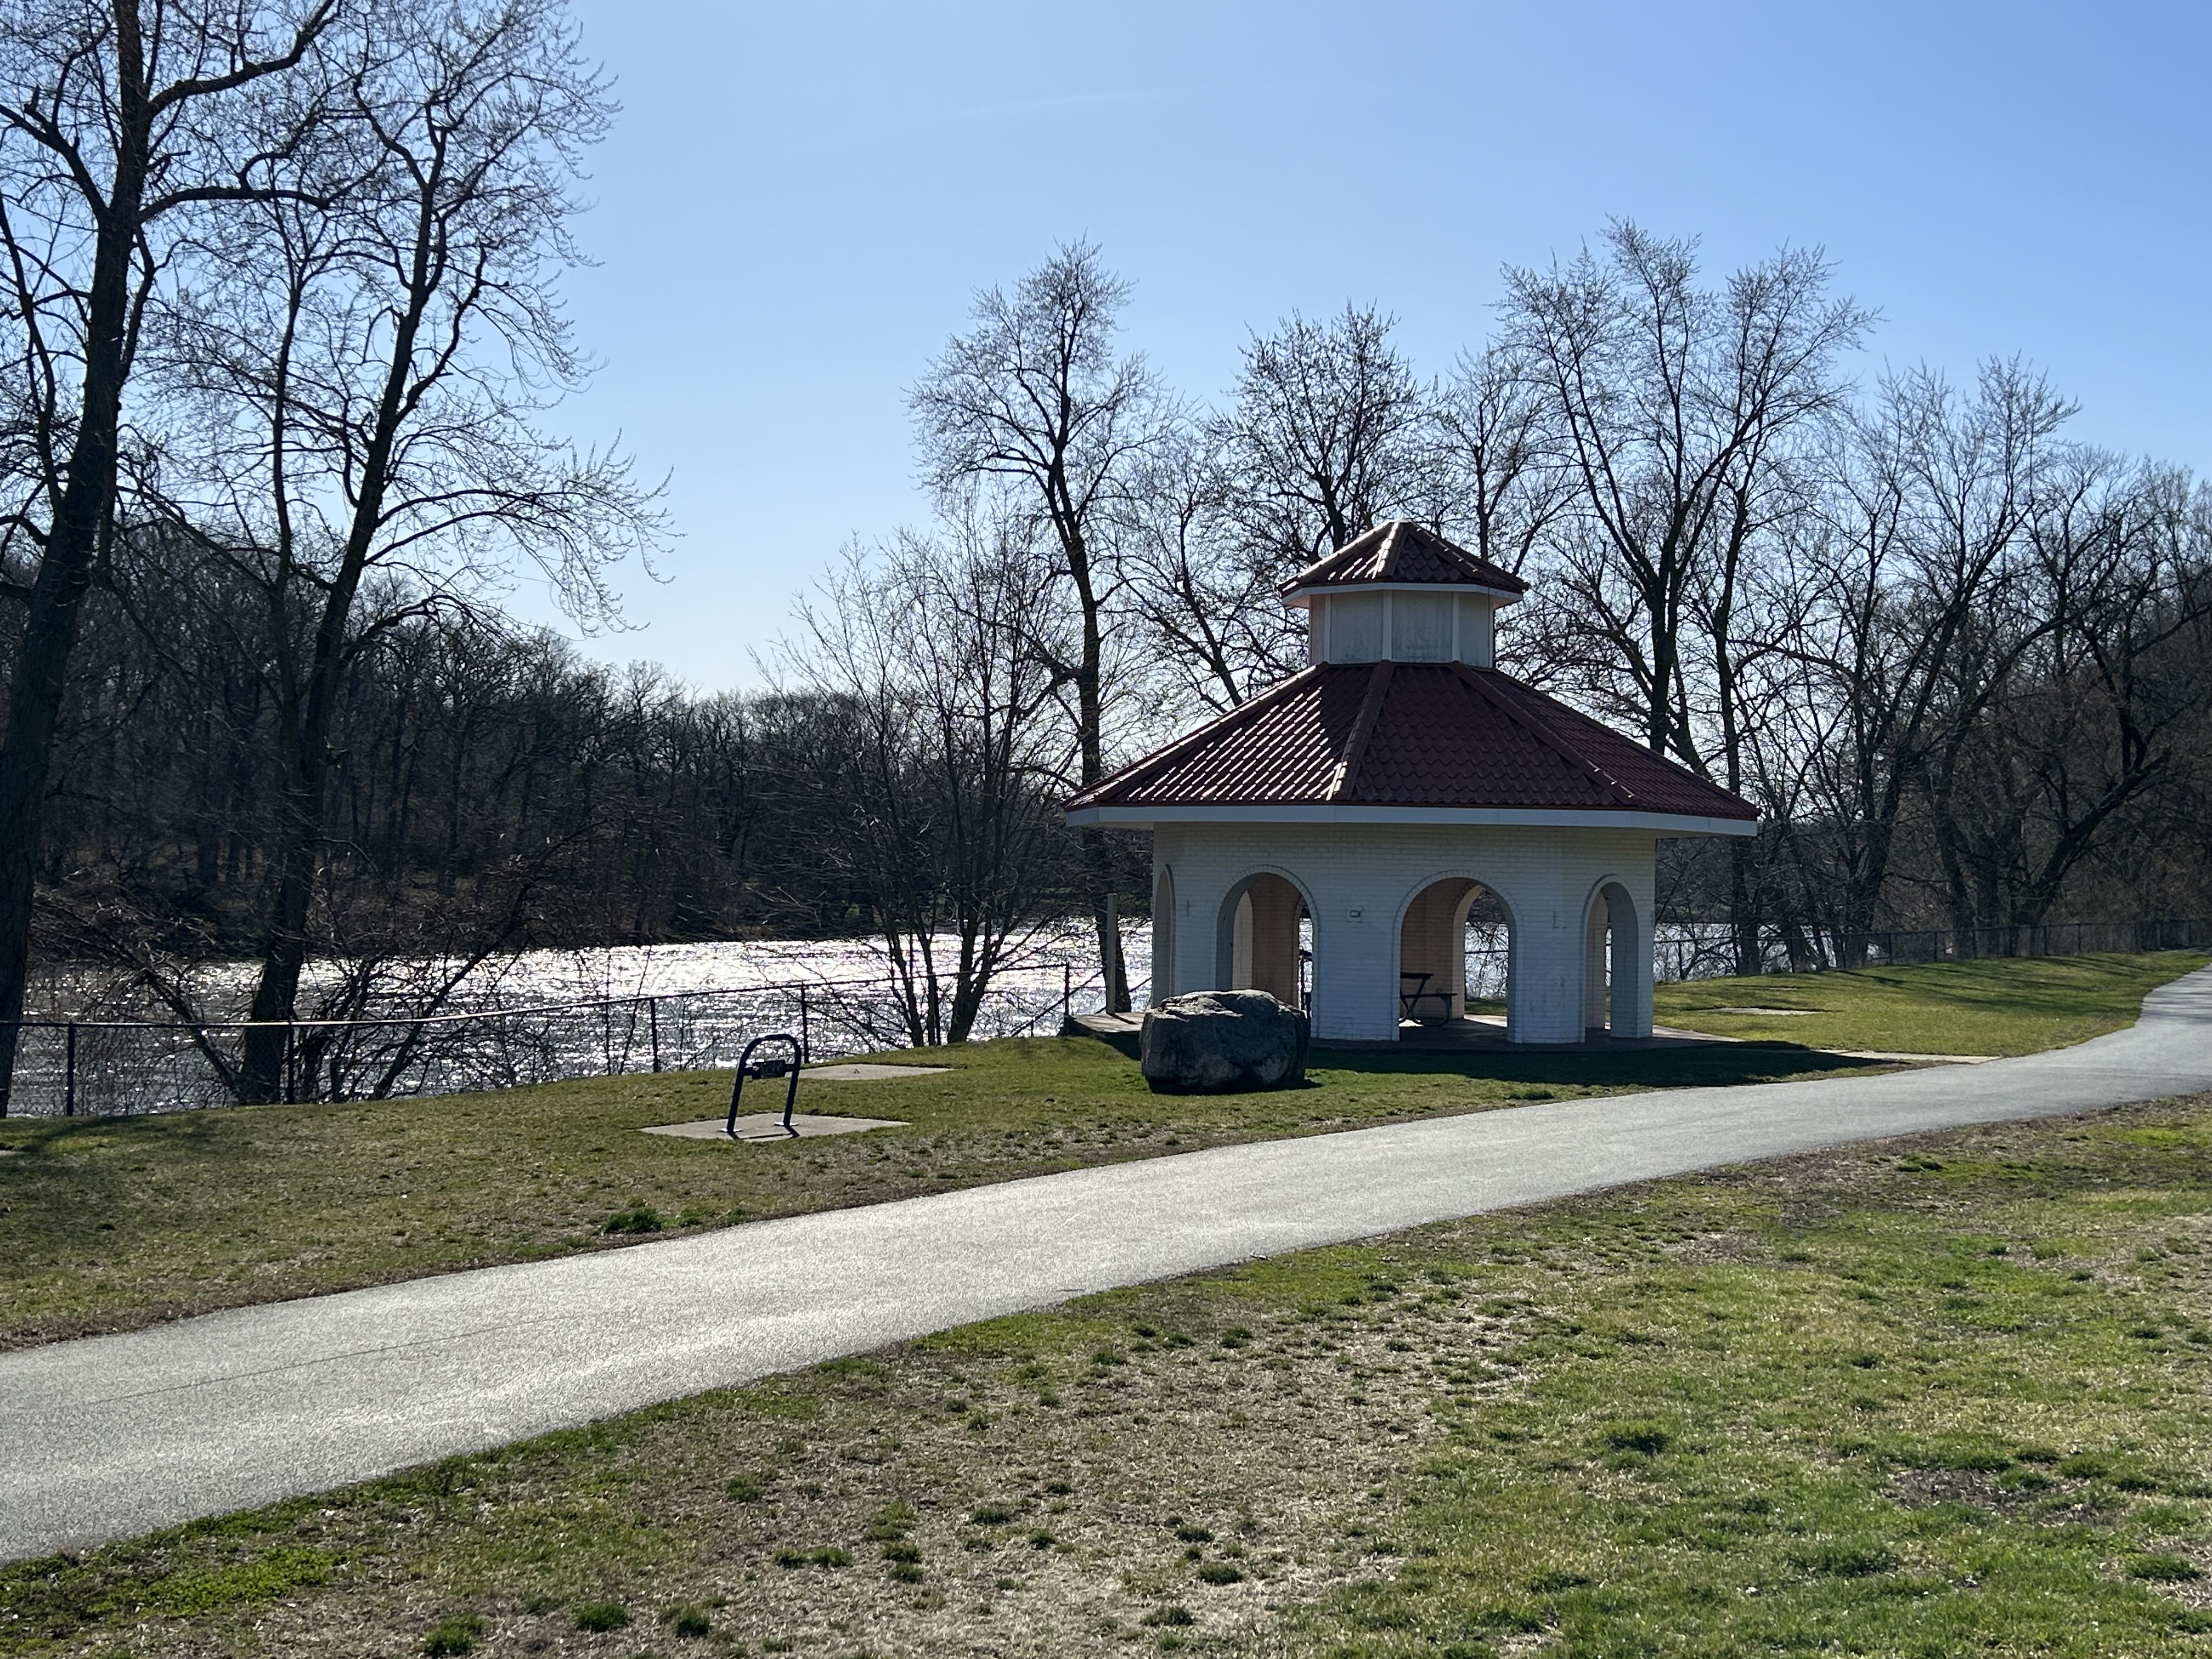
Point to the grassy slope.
(1989, 1007)
(113, 1223)
(1925, 1398)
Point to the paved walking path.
(115, 1435)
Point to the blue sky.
(799, 202)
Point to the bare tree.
(1213, 630)
(118, 122)
(1033, 405)
(1667, 399)
(1904, 602)
(1327, 435)
(367, 387)
(2087, 700)
(941, 794)
(1498, 484)
(1678, 411)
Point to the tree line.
(284, 319)
(1960, 658)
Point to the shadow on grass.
(38, 1134)
(1691, 1067)
(1701, 1066)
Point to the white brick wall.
(1359, 879)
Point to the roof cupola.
(1402, 593)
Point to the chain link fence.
(1685, 950)
(96, 1067)
(1708, 950)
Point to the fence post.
(652, 1024)
(69, 1089)
(1066, 994)
(805, 1036)
(291, 1062)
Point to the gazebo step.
(1105, 1024)
(1488, 1036)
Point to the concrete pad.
(1485, 1034)
(768, 1125)
(866, 1070)
(1474, 1033)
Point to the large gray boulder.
(1223, 1042)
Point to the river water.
(535, 978)
(1058, 958)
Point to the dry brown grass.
(991, 1496)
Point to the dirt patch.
(1708, 1248)
(1174, 1476)
(1919, 1489)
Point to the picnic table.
(1409, 1002)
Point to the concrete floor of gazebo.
(1478, 1035)
(1485, 1035)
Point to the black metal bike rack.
(790, 1095)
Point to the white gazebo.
(1374, 796)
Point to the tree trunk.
(284, 951)
(37, 690)
(308, 761)
(1090, 741)
(1743, 907)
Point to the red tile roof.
(1404, 734)
(1399, 551)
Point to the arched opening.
(1264, 935)
(1455, 955)
(1163, 930)
(1613, 967)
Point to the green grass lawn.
(1929, 1397)
(1990, 1007)
(115, 1223)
